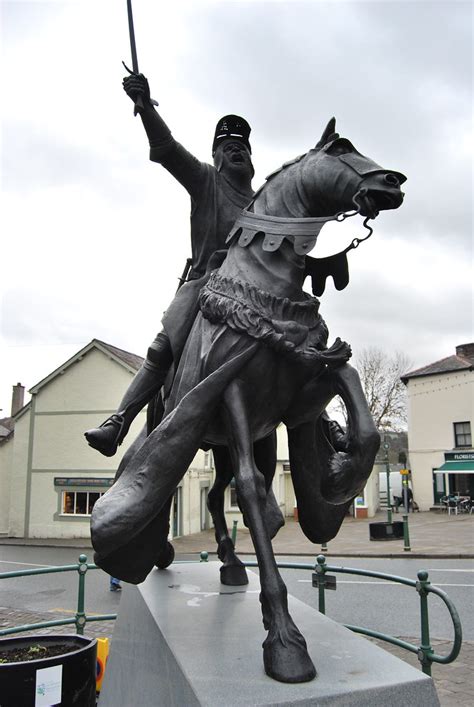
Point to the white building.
(49, 476)
(440, 417)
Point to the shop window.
(462, 434)
(79, 503)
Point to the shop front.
(455, 477)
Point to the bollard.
(425, 651)
(406, 534)
(204, 556)
(80, 614)
(321, 570)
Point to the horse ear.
(328, 135)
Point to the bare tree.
(386, 395)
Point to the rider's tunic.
(215, 202)
(215, 205)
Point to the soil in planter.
(34, 652)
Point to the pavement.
(432, 534)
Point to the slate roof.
(445, 365)
(6, 425)
(130, 359)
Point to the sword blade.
(133, 46)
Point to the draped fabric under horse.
(258, 355)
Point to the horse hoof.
(234, 575)
(286, 658)
(165, 558)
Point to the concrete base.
(182, 638)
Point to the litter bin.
(383, 530)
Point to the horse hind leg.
(265, 458)
(285, 654)
(233, 572)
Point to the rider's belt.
(301, 232)
(293, 328)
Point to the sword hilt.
(139, 99)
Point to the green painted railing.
(321, 580)
(81, 618)
(423, 586)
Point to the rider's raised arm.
(164, 149)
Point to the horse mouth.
(376, 200)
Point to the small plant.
(36, 650)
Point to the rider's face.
(233, 157)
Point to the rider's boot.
(143, 387)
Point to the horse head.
(335, 171)
(325, 181)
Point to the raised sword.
(133, 49)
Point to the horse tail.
(326, 481)
(310, 457)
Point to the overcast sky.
(95, 236)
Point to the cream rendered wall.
(434, 404)
(6, 458)
(94, 382)
(80, 398)
(19, 475)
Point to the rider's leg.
(143, 387)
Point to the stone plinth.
(182, 638)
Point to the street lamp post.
(386, 446)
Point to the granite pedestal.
(181, 638)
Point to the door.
(204, 512)
(439, 487)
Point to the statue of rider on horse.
(245, 348)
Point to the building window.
(78, 503)
(462, 434)
(233, 495)
(208, 460)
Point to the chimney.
(18, 398)
(466, 350)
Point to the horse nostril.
(392, 180)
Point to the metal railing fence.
(321, 580)
(423, 586)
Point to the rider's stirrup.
(108, 436)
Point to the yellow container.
(102, 655)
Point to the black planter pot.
(386, 531)
(18, 680)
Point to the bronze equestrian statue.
(256, 356)
(218, 195)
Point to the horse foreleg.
(233, 572)
(284, 650)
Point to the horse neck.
(284, 195)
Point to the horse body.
(257, 355)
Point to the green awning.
(466, 467)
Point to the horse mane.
(329, 135)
